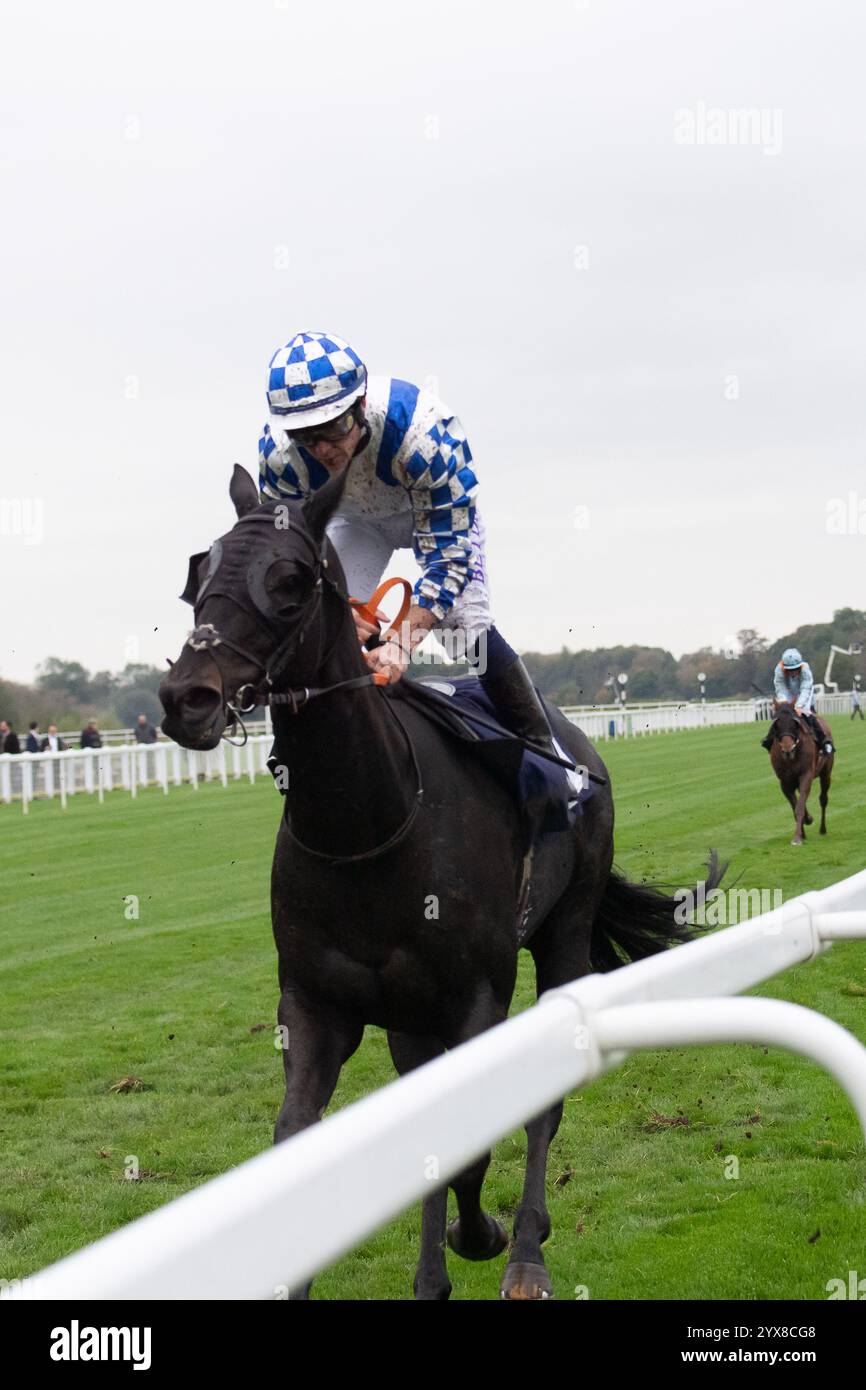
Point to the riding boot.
(768, 741)
(520, 707)
(825, 744)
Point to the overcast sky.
(647, 311)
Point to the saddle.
(550, 797)
(819, 731)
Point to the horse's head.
(257, 596)
(786, 730)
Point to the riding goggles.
(331, 433)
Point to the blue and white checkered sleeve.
(277, 477)
(442, 486)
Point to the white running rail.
(602, 722)
(274, 1221)
(24, 776)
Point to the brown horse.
(797, 760)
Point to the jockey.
(793, 684)
(410, 484)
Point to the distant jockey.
(411, 483)
(793, 684)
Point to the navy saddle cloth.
(548, 798)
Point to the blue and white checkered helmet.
(313, 379)
(791, 659)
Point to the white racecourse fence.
(130, 766)
(99, 770)
(601, 722)
(271, 1223)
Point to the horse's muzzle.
(194, 713)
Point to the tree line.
(588, 677)
(66, 693)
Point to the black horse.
(399, 876)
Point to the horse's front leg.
(315, 1044)
(800, 812)
(431, 1282)
(826, 772)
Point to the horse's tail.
(634, 921)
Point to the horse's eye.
(288, 593)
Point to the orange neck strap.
(368, 610)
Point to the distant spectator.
(91, 737)
(144, 730)
(52, 742)
(856, 707)
(32, 744)
(8, 738)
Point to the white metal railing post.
(335, 1183)
(676, 1023)
(26, 781)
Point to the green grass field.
(184, 998)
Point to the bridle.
(286, 634)
(777, 737)
(247, 566)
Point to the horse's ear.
(243, 491)
(190, 593)
(319, 508)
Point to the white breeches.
(365, 545)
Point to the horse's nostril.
(192, 704)
(200, 700)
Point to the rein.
(207, 637)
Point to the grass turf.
(182, 997)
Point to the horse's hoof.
(808, 820)
(796, 842)
(823, 830)
(493, 1241)
(431, 1293)
(526, 1281)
